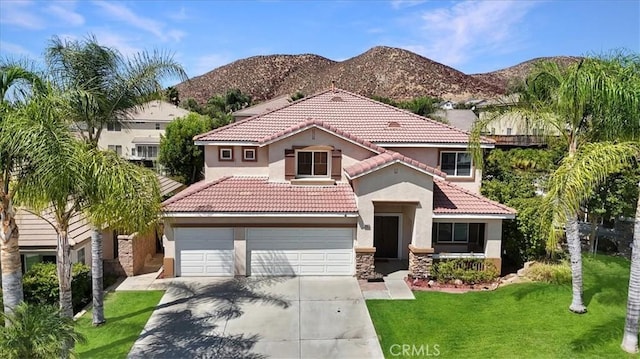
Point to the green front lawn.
(126, 314)
(528, 320)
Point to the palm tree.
(630, 338)
(38, 332)
(12, 76)
(107, 88)
(593, 100)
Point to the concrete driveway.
(260, 317)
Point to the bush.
(41, 285)
(469, 271)
(557, 273)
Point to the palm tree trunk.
(12, 293)
(64, 273)
(630, 338)
(97, 275)
(575, 254)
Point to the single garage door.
(204, 252)
(300, 251)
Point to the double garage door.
(269, 251)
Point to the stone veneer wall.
(365, 263)
(133, 251)
(420, 262)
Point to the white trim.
(399, 215)
(256, 214)
(455, 170)
(429, 144)
(473, 216)
(244, 154)
(221, 150)
(226, 143)
(392, 163)
(312, 176)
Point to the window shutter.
(336, 165)
(289, 164)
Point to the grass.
(529, 320)
(126, 314)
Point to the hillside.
(382, 71)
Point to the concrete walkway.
(394, 287)
(147, 281)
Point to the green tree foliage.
(296, 96)
(220, 107)
(172, 95)
(178, 154)
(41, 285)
(615, 197)
(37, 332)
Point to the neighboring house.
(326, 185)
(447, 105)
(261, 108)
(38, 240)
(139, 136)
(462, 119)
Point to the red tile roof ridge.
(387, 157)
(231, 125)
(487, 140)
(193, 189)
(476, 195)
(315, 122)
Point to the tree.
(423, 106)
(37, 332)
(13, 171)
(630, 337)
(104, 87)
(593, 100)
(172, 95)
(178, 154)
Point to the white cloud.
(209, 62)
(120, 43)
(454, 35)
(11, 48)
(21, 14)
(400, 4)
(124, 14)
(65, 11)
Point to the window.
(508, 131)
(249, 154)
(81, 256)
(157, 126)
(114, 126)
(493, 130)
(225, 154)
(456, 163)
(133, 151)
(312, 163)
(458, 233)
(147, 151)
(116, 148)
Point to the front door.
(385, 236)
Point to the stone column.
(365, 263)
(420, 261)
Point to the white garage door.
(204, 252)
(300, 251)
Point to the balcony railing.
(518, 140)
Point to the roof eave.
(184, 214)
(473, 216)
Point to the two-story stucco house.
(326, 185)
(138, 137)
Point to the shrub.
(41, 285)
(469, 271)
(557, 273)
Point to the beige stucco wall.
(351, 153)
(395, 183)
(426, 155)
(215, 169)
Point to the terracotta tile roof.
(385, 158)
(257, 195)
(451, 199)
(354, 114)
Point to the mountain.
(382, 71)
(504, 77)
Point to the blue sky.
(471, 36)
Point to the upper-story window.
(312, 163)
(456, 163)
(157, 126)
(225, 154)
(249, 154)
(114, 126)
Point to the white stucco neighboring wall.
(125, 137)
